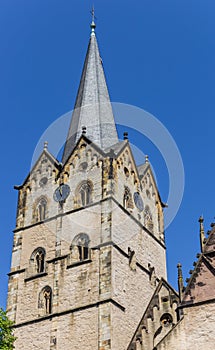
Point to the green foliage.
(6, 334)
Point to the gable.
(84, 157)
(125, 161)
(83, 144)
(44, 163)
(159, 317)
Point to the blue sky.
(158, 55)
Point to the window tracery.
(45, 300)
(80, 247)
(40, 210)
(85, 193)
(40, 257)
(37, 261)
(47, 297)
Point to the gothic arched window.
(47, 294)
(45, 300)
(40, 210)
(80, 246)
(127, 199)
(85, 193)
(40, 260)
(37, 261)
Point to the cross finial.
(93, 13)
(93, 25)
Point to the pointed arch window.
(37, 261)
(40, 260)
(127, 199)
(80, 247)
(45, 300)
(40, 210)
(47, 294)
(85, 193)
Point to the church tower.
(89, 248)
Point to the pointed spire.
(202, 233)
(180, 281)
(92, 107)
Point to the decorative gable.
(38, 185)
(158, 319)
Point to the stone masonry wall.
(195, 330)
(132, 290)
(72, 331)
(128, 233)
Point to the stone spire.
(92, 107)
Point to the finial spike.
(45, 144)
(180, 281)
(201, 219)
(146, 159)
(93, 25)
(93, 13)
(125, 135)
(202, 232)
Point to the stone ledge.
(33, 277)
(57, 258)
(15, 272)
(58, 314)
(122, 252)
(78, 263)
(190, 304)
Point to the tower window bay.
(85, 193)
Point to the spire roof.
(92, 107)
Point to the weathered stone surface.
(196, 329)
(102, 249)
